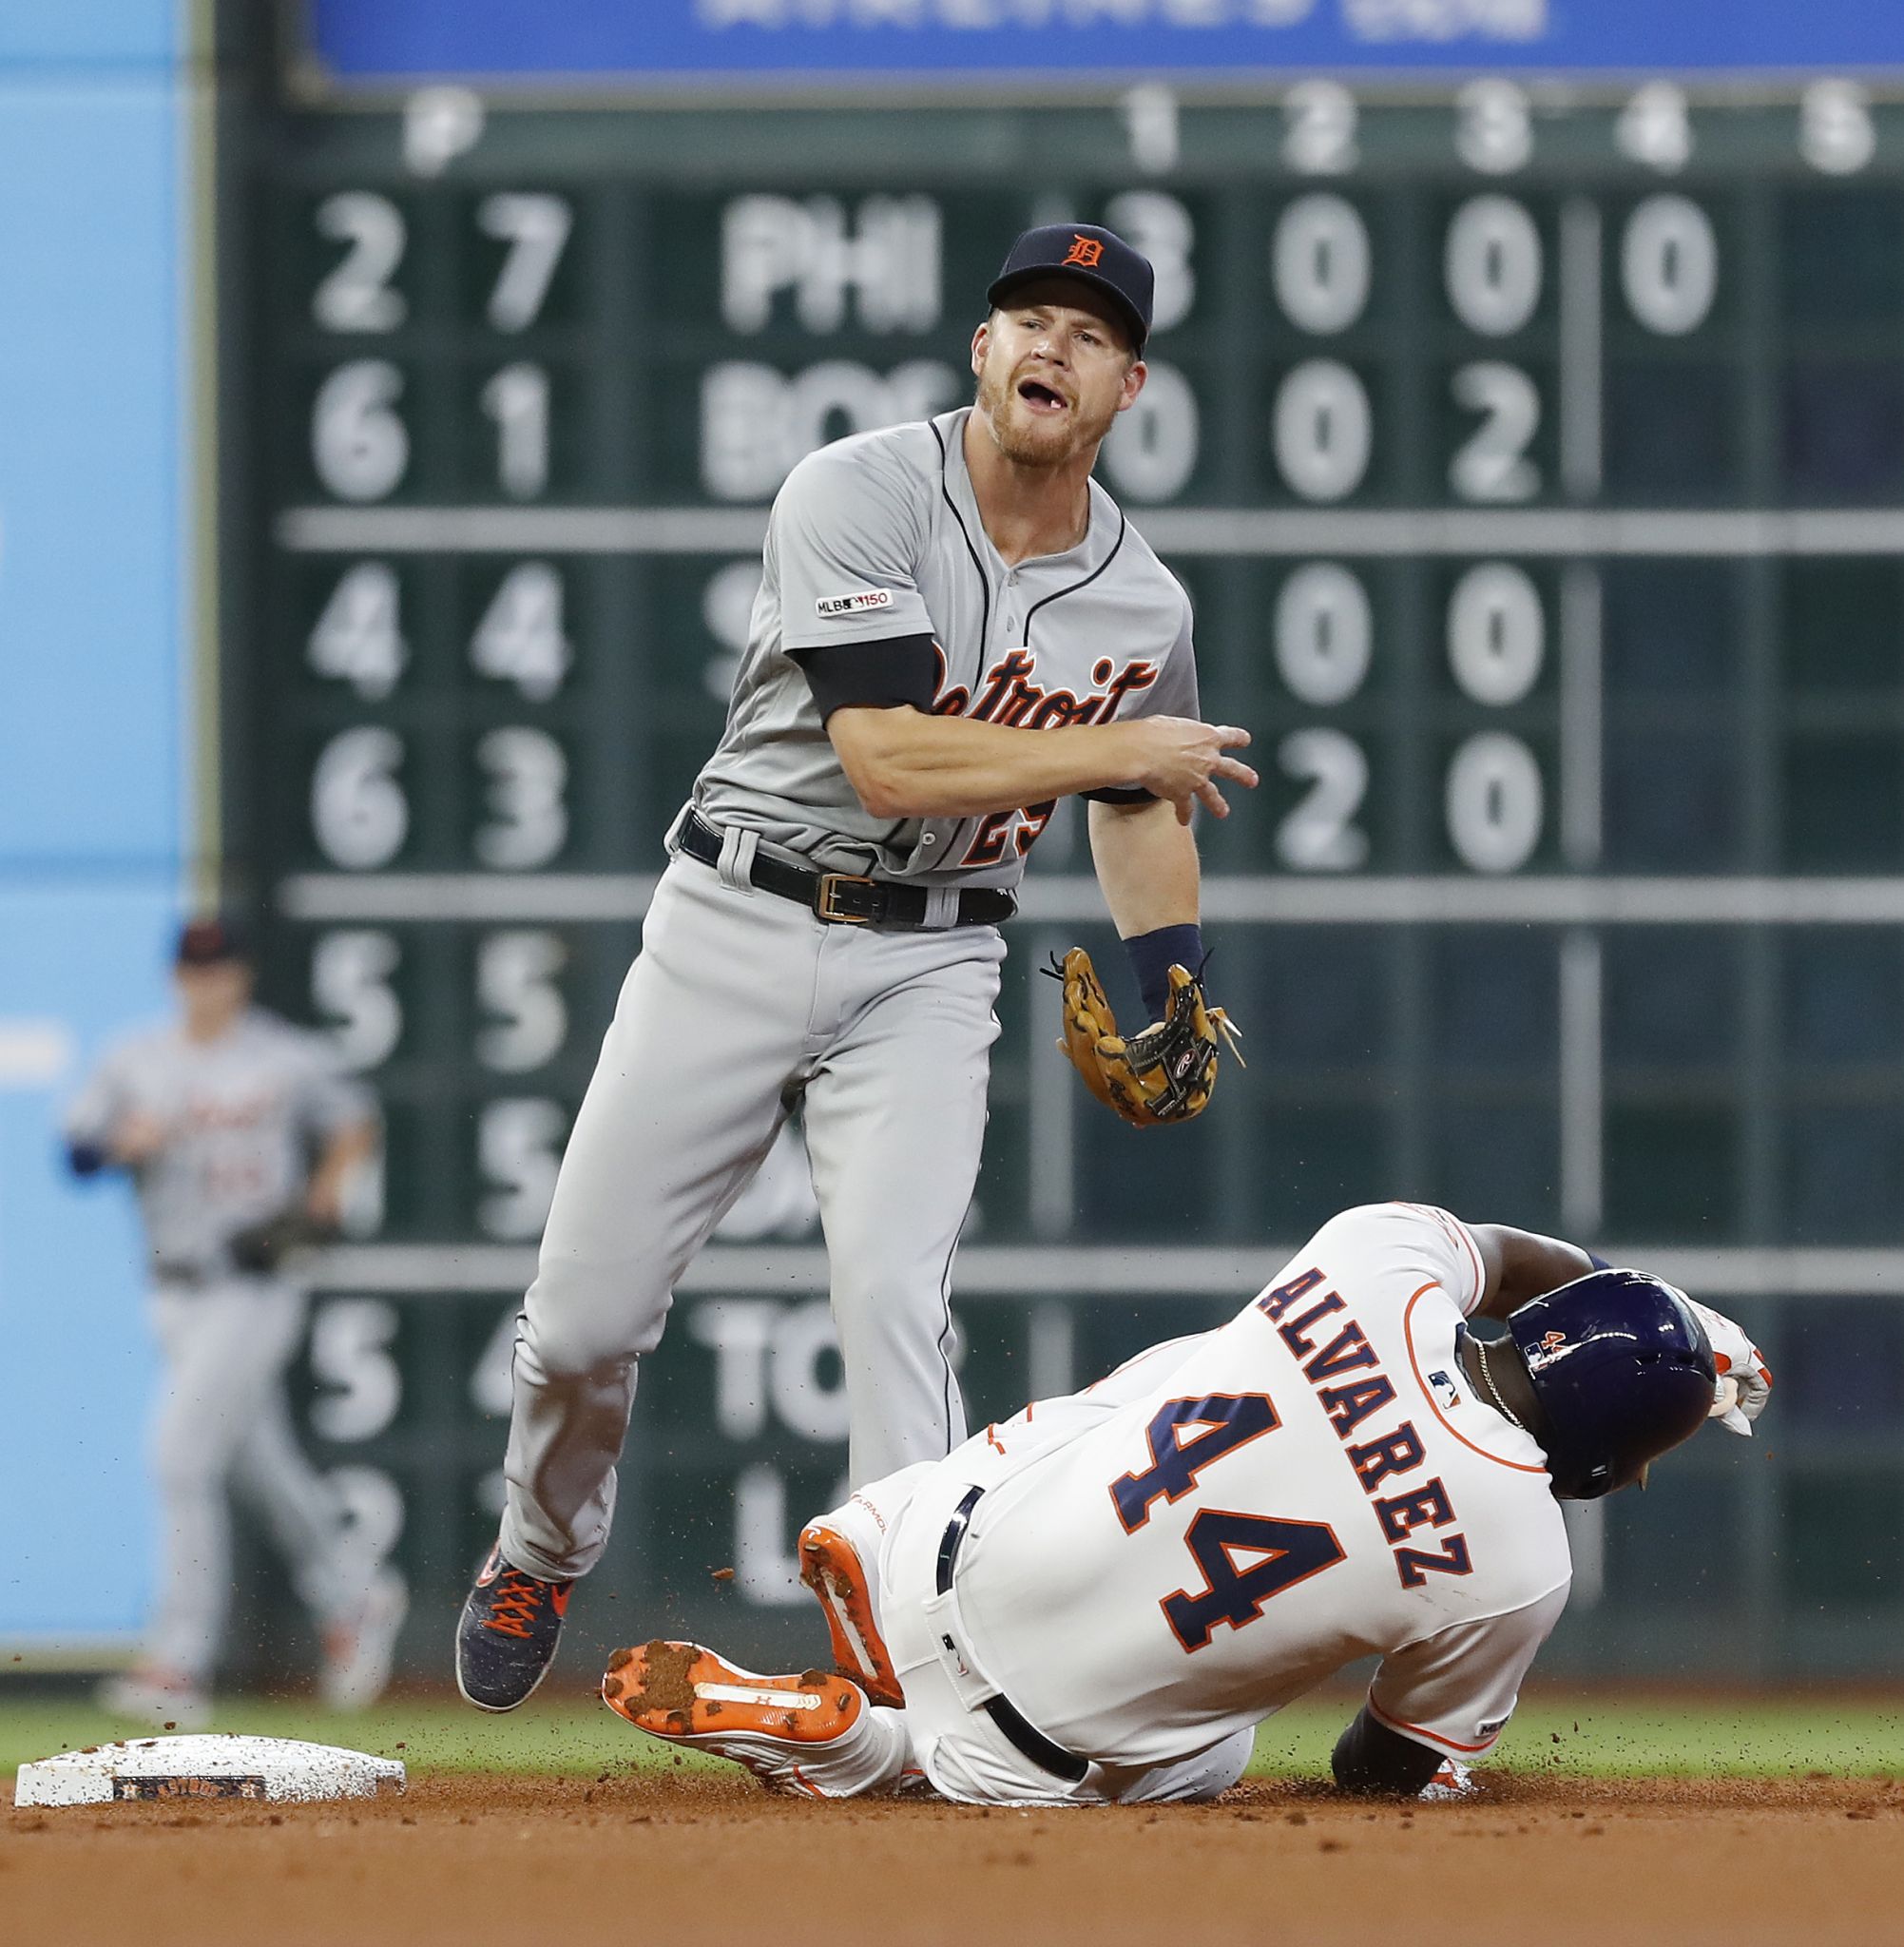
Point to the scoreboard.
(1534, 458)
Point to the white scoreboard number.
(1324, 650)
(359, 1397)
(1494, 275)
(522, 1028)
(457, 610)
(874, 264)
(360, 439)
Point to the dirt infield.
(637, 1857)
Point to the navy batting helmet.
(1622, 1372)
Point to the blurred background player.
(240, 1134)
(1098, 1601)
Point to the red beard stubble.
(1020, 437)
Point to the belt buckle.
(823, 898)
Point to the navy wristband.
(1152, 956)
(87, 1159)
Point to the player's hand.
(1184, 760)
(136, 1137)
(1745, 1381)
(324, 1203)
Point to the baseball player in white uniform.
(1099, 1600)
(217, 1115)
(956, 627)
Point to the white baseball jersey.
(878, 537)
(243, 1115)
(1257, 1506)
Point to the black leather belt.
(200, 1276)
(1024, 1737)
(848, 899)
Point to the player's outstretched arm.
(348, 1150)
(130, 1143)
(1147, 864)
(1520, 1265)
(905, 763)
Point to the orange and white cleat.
(795, 1733)
(833, 1566)
(1453, 1781)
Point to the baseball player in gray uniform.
(217, 1115)
(1097, 1600)
(956, 627)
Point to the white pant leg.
(962, 1752)
(305, 1516)
(964, 1756)
(688, 1094)
(871, 1760)
(1189, 1781)
(224, 1350)
(894, 1123)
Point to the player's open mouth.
(1041, 398)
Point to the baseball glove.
(264, 1246)
(1164, 1074)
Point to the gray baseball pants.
(739, 1005)
(222, 1428)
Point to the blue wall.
(94, 34)
(94, 749)
(364, 39)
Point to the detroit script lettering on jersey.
(1008, 693)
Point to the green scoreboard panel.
(1535, 461)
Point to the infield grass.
(1570, 1733)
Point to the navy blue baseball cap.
(1094, 255)
(208, 940)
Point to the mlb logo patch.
(857, 602)
(1445, 1390)
(1552, 1346)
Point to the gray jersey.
(242, 1114)
(879, 536)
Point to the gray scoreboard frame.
(1491, 1000)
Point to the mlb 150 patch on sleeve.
(855, 604)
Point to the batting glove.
(1745, 1381)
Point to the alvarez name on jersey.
(1312, 1482)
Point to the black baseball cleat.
(507, 1635)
